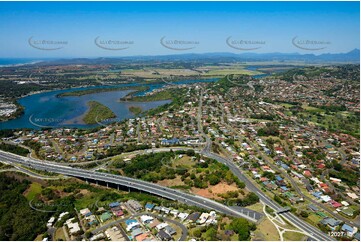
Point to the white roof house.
(146, 219)
(183, 216)
(73, 227)
(203, 218)
(161, 226)
(132, 225)
(174, 212)
(326, 198)
(84, 211)
(344, 203)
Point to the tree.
(88, 234)
(304, 214)
(210, 234)
(197, 233)
(242, 227)
(278, 199)
(190, 152)
(213, 179)
(269, 175)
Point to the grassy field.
(87, 200)
(313, 218)
(292, 236)
(59, 235)
(258, 207)
(266, 231)
(223, 72)
(39, 238)
(158, 72)
(97, 112)
(312, 109)
(33, 190)
(338, 121)
(202, 71)
(286, 105)
(185, 161)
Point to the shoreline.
(101, 90)
(21, 109)
(21, 64)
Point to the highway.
(310, 230)
(152, 188)
(296, 186)
(171, 193)
(313, 232)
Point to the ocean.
(17, 61)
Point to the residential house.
(203, 218)
(146, 219)
(193, 216)
(162, 235)
(169, 230)
(136, 232)
(348, 211)
(105, 216)
(331, 223)
(135, 205)
(149, 206)
(183, 216)
(114, 204)
(348, 230)
(153, 224)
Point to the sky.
(80, 29)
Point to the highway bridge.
(172, 194)
(118, 180)
(283, 210)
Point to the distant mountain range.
(349, 57)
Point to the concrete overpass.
(148, 187)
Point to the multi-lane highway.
(128, 182)
(312, 232)
(309, 229)
(171, 193)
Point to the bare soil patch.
(213, 191)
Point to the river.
(46, 109)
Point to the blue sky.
(145, 23)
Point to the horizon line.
(179, 54)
